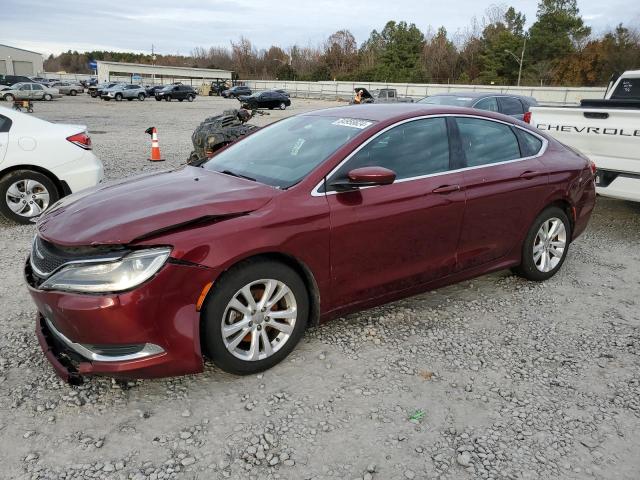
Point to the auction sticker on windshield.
(352, 122)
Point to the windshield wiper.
(239, 175)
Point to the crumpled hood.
(120, 212)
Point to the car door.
(24, 92)
(511, 106)
(37, 91)
(388, 238)
(505, 183)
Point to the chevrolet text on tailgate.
(607, 131)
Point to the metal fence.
(345, 90)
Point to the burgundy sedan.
(313, 217)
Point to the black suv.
(237, 91)
(268, 99)
(176, 92)
(13, 79)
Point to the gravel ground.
(492, 378)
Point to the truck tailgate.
(610, 137)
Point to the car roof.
(479, 95)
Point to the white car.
(41, 162)
(605, 130)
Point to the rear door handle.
(446, 189)
(529, 174)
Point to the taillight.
(83, 140)
(527, 117)
(592, 166)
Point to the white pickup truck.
(605, 130)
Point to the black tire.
(216, 303)
(47, 97)
(10, 178)
(73, 93)
(283, 106)
(118, 97)
(528, 268)
(141, 97)
(168, 98)
(9, 97)
(190, 98)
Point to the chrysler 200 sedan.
(313, 217)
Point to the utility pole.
(519, 60)
(153, 64)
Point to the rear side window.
(530, 145)
(485, 142)
(510, 106)
(628, 88)
(413, 149)
(5, 124)
(490, 104)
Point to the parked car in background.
(382, 95)
(237, 91)
(29, 91)
(41, 162)
(13, 79)
(66, 88)
(516, 106)
(176, 92)
(269, 99)
(124, 91)
(42, 80)
(96, 90)
(310, 218)
(607, 131)
(152, 89)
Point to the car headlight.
(114, 276)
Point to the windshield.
(447, 100)
(284, 153)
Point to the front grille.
(46, 257)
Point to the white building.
(110, 71)
(17, 61)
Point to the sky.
(177, 26)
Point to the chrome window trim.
(148, 350)
(316, 193)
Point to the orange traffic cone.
(155, 146)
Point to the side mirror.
(365, 177)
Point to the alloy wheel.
(549, 245)
(259, 319)
(27, 198)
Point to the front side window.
(285, 152)
(412, 149)
(25, 87)
(490, 104)
(485, 142)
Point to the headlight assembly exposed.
(116, 276)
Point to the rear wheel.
(283, 105)
(25, 194)
(255, 317)
(191, 98)
(168, 98)
(546, 246)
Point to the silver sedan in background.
(67, 88)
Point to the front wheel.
(25, 194)
(73, 93)
(141, 97)
(118, 97)
(48, 97)
(255, 316)
(546, 246)
(9, 98)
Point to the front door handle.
(529, 174)
(446, 189)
